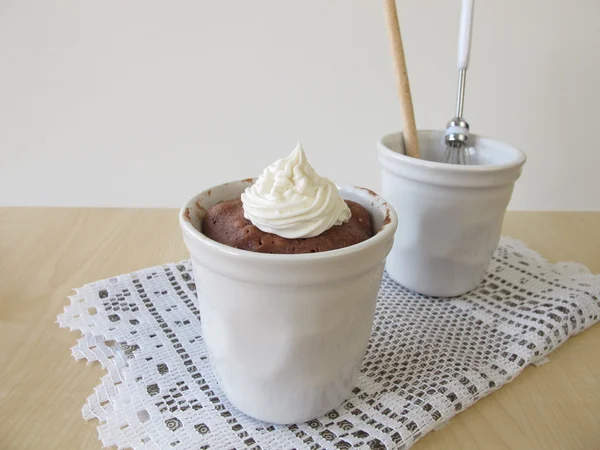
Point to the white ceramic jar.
(450, 216)
(286, 333)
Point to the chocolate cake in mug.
(287, 271)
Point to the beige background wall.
(144, 102)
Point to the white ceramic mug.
(450, 216)
(286, 334)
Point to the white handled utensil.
(457, 130)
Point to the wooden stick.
(411, 143)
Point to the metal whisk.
(457, 130)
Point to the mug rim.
(401, 158)
(385, 232)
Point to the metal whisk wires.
(457, 130)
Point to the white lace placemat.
(427, 359)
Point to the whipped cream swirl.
(291, 200)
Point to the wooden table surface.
(46, 252)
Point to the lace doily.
(427, 359)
